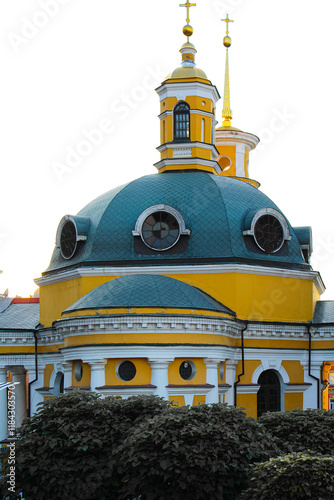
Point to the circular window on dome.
(160, 230)
(268, 233)
(68, 239)
(126, 371)
(160, 227)
(187, 370)
(269, 229)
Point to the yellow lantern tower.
(233, 144)
(187, 114)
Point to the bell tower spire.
(233, 144)
(227, 112)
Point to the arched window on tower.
(182, 122)
(269, 394)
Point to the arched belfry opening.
(269, 394)
(182, 122)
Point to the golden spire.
(227, 112)
(187, 29)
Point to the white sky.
(89, 61)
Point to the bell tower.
(187, 114)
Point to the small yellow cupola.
(187, 115)
(232, 143)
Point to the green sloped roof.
(20, 317)
(214, 208)
(147, 291)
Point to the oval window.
(268, 233)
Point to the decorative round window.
(268, 232)
(126, 370)
(269, 229)
(187, 370)
(160, 227)
(160, 230)
(78, 371)
(68, 239)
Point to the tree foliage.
(68, 449)
(294, 475)
(192, 452)
(301, 430)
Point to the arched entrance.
(269, 394)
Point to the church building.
(189, 283)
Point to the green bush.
(301, 430)
(68, 449)
(295, 475)
(198, 452)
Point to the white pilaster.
(212, 379)
(97, 374)
(3, 405)
(159, 376)
(230, 368)
(36, 397)
(310, 399)
(67, 370)
(20, 393)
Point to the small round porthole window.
(187, 370)
(126, 371)
(68, 239)
(160, 227)
(269, 229)
(78, 371)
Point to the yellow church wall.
(142, 377)
(178, 400)
(47, 374)
(250, 367)
(293, 400)
(199, 399)
(85, 380)
(295, 371)
(189, 166)
(57, 297)
(174, 376)
(258, 297)
(195, 102)
(230, 152)
(17, 349)
(246, 161)
(151, 338)
(249, 403)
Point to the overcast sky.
(72, 66)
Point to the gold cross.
(227, 20)
(188, 5)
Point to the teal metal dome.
(216, 210)
(147, 290)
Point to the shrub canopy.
(192, 452)
(301, 430)
(294, 475)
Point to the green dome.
(216, 211)
(147, 290)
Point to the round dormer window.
(268, 233)
(160, 227)
(269, 229)
(68, 239)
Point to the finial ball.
(227, 41)
(188, 30)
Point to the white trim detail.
(182, 90)
(181, 269)
(192, 161)
(248, 388)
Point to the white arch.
(277, 367)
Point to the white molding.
(189, 145)
(183, 90)
(296, 388)
(271, 363)
(181, 269)
(126, 392)
(189, 161)
(192, 112)
(276, 331)
(18, 338)
(247, 388)
(232, 137)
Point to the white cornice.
(181, 269)
(183, 90)
(195, 144)
(231, 137)
(192, 112)
(188, 161)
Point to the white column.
(36, 397)
(230, 368)
(212, 379)
(20, 393)
(97, 374)
(310, 396)
(159, 376)
(3, 405)
(67, 370)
